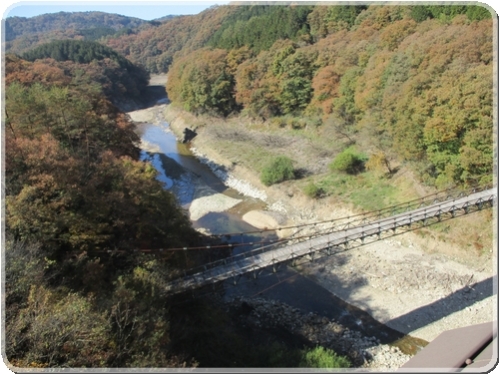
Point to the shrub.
(320, 357)
(278, 170)
(313, 191)
(349, 161)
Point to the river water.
(180, 172)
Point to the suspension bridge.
(334, 236)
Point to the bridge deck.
(252, 263)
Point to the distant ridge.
(21, 26)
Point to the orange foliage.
(326, 87)
(26, 72)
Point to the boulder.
(188, 135)
(264, 219)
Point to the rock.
(188, 135)
(264, 219)
(204, 231)
(242, 187)
(215, 203)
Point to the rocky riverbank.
(364, 352)
(229, 179)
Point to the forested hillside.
(407, 83)
(155, 48)
(90, 63)
(73, 188)
(22, 26)
(23, 34)
(259, 26)
(118, 77)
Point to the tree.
(379, 162)
(295, 72)
(345, 105)
(257, 84)
(201, 82)
(477, 13)
(325, 85)
(52, 331)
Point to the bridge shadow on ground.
(454, 302)
(296, 290)
(309, 293)
(348, 288)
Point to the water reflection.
(161, 137)
(181, 173)
(155, 160)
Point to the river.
(184, 175)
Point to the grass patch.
(365, 191)
(375, 197)
(247, 154)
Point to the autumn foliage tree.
(62, 148)
(202, 82)
(74, 187)
(420, 87)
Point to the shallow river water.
(178, 169)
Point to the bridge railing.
(338, 224)
(335, 225)
(234, 268)
(365, 216)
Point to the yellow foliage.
(378, 163)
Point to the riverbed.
(217, 209)
(415, 284)
(400, 291)
(212, 206)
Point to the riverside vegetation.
(342, 98)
